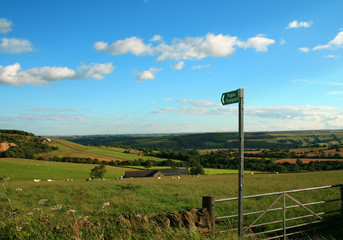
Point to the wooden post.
(208, 203)
(241, 163)
(341, 199)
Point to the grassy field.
(70, 149)
(23, 169)
(145, 196)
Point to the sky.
(160, 66)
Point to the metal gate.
(322, 217)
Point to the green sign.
(231, 97)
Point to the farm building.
(157, 172)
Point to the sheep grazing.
(158, 177)
(67, 180)
(88, 179)
(49, 180)
(178, 177)
(36, 180)
(19, 189)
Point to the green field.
(23, 169)
(253, 140)
(70, 149)
(146, 196)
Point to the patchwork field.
(305, 160)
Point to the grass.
(70, 149)
(145, 196)
(23, 169)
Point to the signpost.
(237, 96)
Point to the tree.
(148, 164)
(197, 170)
(98, 172)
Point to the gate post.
(208, 203)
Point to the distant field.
(305, 160)
(253, 140)
(70, 149)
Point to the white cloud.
(179, 65)
(325, 116)
(304, 49)
(96, 70)
(156, 38)
(147, 74)
(58, 110)
(168, 99)
(200, 66)
(332, 56)
(15, 46)
(260, 43)
(5, 25)
(189, 48)
(132, 45)
(283, 41)
(296, 24)
(13, 75)
(335, 43)
(336, 92)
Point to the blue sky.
(159, 66)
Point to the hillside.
(20, 144)
(253, 140)
(74, 150)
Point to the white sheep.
(49, 180)
(36, 180)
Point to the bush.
(98, 172)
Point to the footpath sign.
(231, 97)
(237, 96)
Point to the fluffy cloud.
(189, 48)
(147, 74)
(337, 42)
(13, 75)
(132, 45)
(96, 70)
(304, 49)
(296, 24)
(156, 38)
(179, 65)
(260, 43)
(15, 46)
(5, 25)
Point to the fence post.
(208, 203)
(341, 188)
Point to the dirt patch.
(5, 145)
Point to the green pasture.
(70, 149)
(23, 169)
(144, 196)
